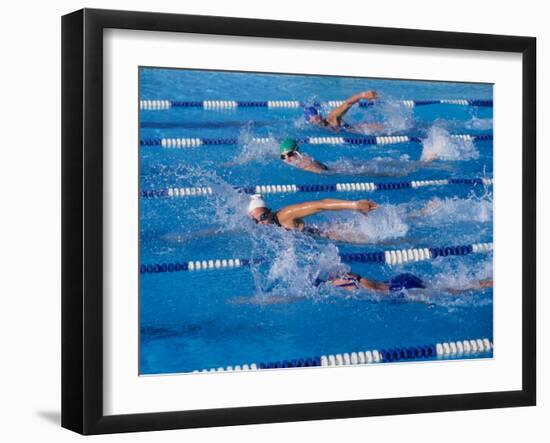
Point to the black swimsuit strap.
(310, 230)
(276, 220)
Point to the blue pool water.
(272, 311)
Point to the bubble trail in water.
(438, 211)
(383, 166)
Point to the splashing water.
(254, 151)
(223, 212)
(379, 166)
(479, 123)
(447, 211)
(460, 276)
(456, 285)
(383, 224)
(474, 123)
(226, 203)
(382, 166)
(452, 285)
(295, 263)
(386, 117)
(440, 145)
(396, 116)
(293, 272)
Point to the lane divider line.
(198, 191)
(388, 257)
(441, 350)
(157, 105)
(380, 140)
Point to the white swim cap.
(256, 201)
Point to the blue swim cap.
(405, 281)
(310, 111)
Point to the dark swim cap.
(310, 111)
(405, 281)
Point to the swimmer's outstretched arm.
(383, 287)
(337, 113)
(480, 284)
(289, 215)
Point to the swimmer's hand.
(429, 157)
(365, 206)
(369, 95)
(430, 208)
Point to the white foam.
(296, 261)
(397, 116)
(479, 123)
(381, 166)
(384, 223)
(444, 211)
(460, 276)
(440, 145)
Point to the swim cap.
(288, 145)
(310, 111)
(256, 201)
(405, 281)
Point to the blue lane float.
(388, 257)
(439, 350)
(159, 105)
(196, 142)
(198, 191)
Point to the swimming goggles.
(265, 216)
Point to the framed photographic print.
(270, 221)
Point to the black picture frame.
(82, 220)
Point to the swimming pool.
(270, 310)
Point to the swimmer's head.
(405, 281)
(288, 147)
(258, 210)
(312, 115)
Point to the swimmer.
(349, 281)
(291, 155)
(334, 120)
(290, 217)
(397, 284)
(387, 167)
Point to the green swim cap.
(288, 145)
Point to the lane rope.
(157, 105)
(196, 142)
(200, 191)
(389, 257)
(441, 350)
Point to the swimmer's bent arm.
(289, 215)
(337, 113)
(316, 166)
(373, 285)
